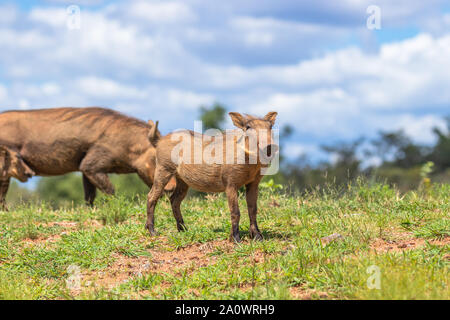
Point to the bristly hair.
(89, 114)
(250, 117)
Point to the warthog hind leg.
(94, 166)
(161, 179)
(175, 199)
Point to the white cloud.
(23, 40)
(23, 104)
(78, 2)
(418, 128)
(54, 17)
(294, 150)
(161, 12)
(143, 56)
(187, 99)
(319, 112)
(105, 88)
(51, 89)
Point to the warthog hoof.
(235, 238)
(257, 236)
(181, 227)
(151, 230)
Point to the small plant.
(114, 211)
(425, 172)
(271, 185)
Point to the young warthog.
(95, 141)
(213, 166)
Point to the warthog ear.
(238, 120)
(271, 116)
(151, 123)
(153, 135)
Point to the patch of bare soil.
(301, 293)
(68, 227)
(404, 241)
(160, 261)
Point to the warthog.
(95, 141)
(222, 174)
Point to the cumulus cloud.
(161, 12)
(105, 88)
(162, 59)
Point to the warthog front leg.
(233, 204)
(4, 185)
(252, 205)
(175, 199)
(90, 191)
(161, 179)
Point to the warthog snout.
(271, 150)
(268, 152)
(30, 173)
(23, 172)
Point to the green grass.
(119, 260)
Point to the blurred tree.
(400, 148)
(213, 117)
(18, 194)
(129, 185)
(61, 190)
(440, 154)
(346, 165)
(67, 189)
(280, 177)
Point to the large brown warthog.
(95, 141)
(204, 163)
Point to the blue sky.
(315, 62)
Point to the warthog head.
(259, 129)
(12, 165)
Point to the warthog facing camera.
(177, 156)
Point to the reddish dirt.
(124, 268)
(404, 241)
(300, 293)
(68, 226)
(274, 203)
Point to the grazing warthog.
(95, 141)
(177, 155)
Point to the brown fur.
(95, 141)
(210, 177)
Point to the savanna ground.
(406, 236)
